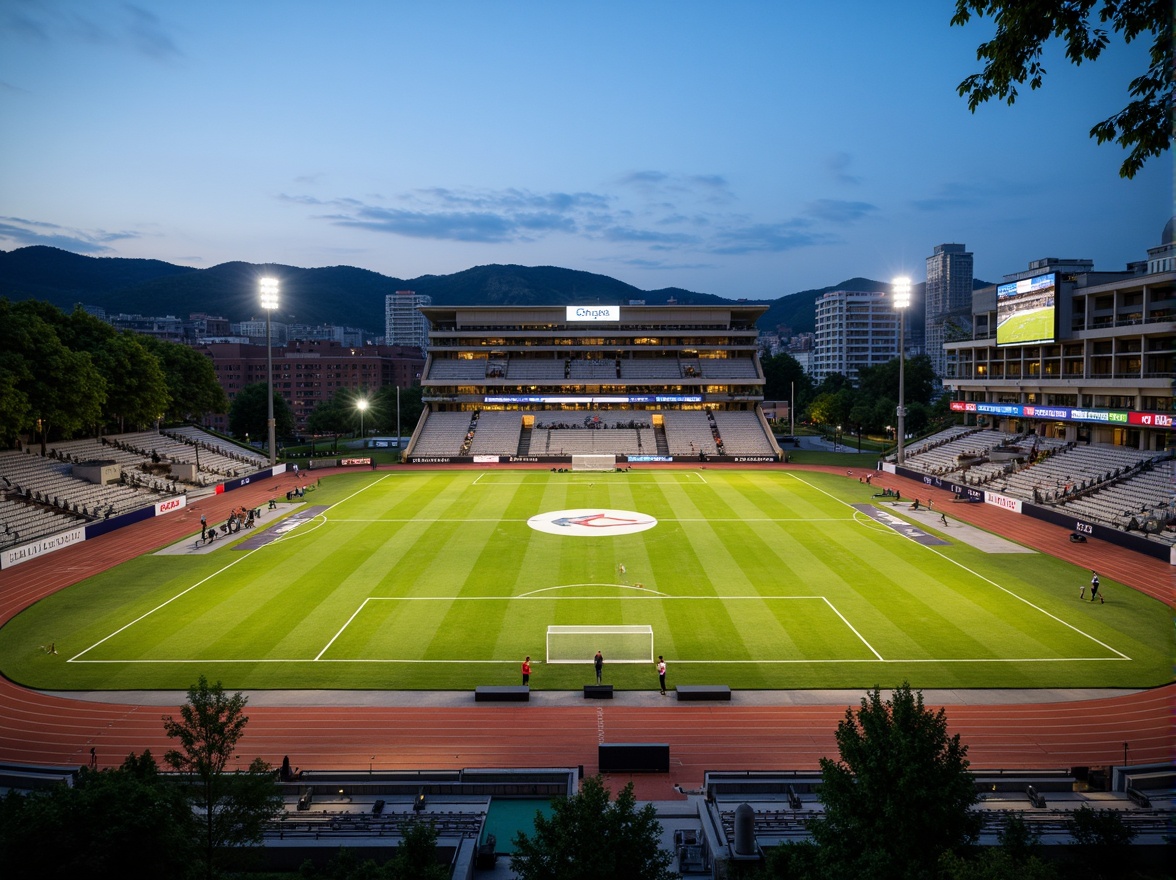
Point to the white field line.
(852, 628)
(987, 580)
(219, 571)
(514, 661)
(354, 615)
(646, 479)
(697, 519)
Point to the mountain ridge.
(347, 295)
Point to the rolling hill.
(345, 295)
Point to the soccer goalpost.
(618, 644)
(594, 463)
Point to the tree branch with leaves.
(233, 807)
(1014, 56)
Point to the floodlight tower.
(901, 291)
(269, 302)
(361, 405)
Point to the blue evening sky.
(746, 149)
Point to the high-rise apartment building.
(947, 301)
(403, 322)
(855, 329)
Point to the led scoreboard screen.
(1026, 310)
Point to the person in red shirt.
(527, 670)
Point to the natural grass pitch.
(436, 579)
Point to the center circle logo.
(594, 521)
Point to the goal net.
(594, 463)
(618, 644)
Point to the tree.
(918, 381)
(126, 822)
(248, 413)
(588, 837)
(1102, 842)
(901, 793)
(63, 390)
(782, 373)
(233, 808)
(416, 856)
(411, 406)
(1013, 56)
(193, 389)
(1012, 860)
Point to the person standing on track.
(527, 670)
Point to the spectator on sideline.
(527, 670)
(661, 673)
(598, 662)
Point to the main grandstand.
(546, 383)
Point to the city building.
(1072, 353)
(308, 373)
(947, 300)
(256, 329)
(855, 329)
(403, 322)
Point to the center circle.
(591, 521)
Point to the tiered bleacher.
(497, 433)
(442, 433)
(80, 481)
(1116, 486)
(593, 434)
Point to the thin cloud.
(648, 236)
(446, 226)
(838, 167)
(838, 211)
(146, 33)
(24, 233)
(951, 197)
(517, 215)
(711, 188)
(126, 26)
(768, 238)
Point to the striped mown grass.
(435, 579)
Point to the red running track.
(39, 728)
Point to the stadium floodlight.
(901, 291)
(361, 405)
(269, 302)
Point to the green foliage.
(193, 389)
(992, 863)
(1023, 27)
(587, 838)
(233, 807)
(249, 413)
(1102, 843)
(337, 415)
(57, 389)
(384, 409)
(74, 373)
(783, 372)
(1012, 860)
(126, 822)
(900, 794)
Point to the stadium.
(580, 482)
